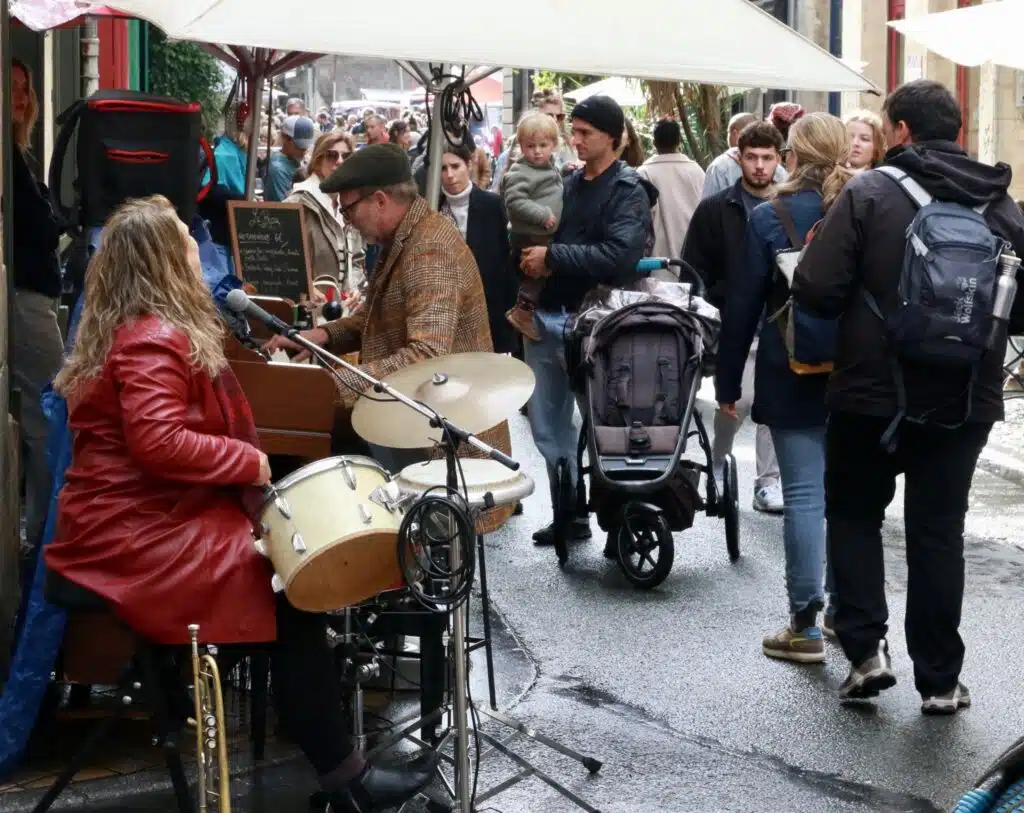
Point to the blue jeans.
(552, 403)
(801, 454)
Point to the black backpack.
(130, 145)
(947, 291)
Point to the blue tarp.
(40, 627)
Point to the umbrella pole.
(435, 149)
(254, 140)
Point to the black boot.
(377, 789)
(579, 531)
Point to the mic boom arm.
(239, 302)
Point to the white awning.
(990, 32)
(627, 92)
(724, 42)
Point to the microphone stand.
(451, 437)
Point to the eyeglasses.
(344, 210)
(337, 155)
(784, 152)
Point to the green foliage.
(562, 82)
(185, 71)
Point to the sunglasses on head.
(557, 116)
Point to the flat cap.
(373, 167)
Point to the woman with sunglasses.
(325, 224)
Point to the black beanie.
(602, 112)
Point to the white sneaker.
(768, 499)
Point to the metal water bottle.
(1006, 291)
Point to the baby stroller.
(636, 359)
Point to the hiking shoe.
(828, 623)
(871, 677)
(949, 703)
(522, 320)
(802, 646)
(768, 499)
(579, 531)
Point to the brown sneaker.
(522, 320)
(801, 646)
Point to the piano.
(294, 405)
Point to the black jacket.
(35, 234)
(714, 241)
(487, 238)
(601, 237)
(861, 244)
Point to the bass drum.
(332, 533)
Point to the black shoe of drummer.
(579, 531)
(377, 789)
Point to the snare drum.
(330, 535)
(483, 477)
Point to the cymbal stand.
(452, 436)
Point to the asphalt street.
(670, 690)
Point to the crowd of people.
(161, 429)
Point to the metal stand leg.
(485, 603)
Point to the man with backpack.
(908, 258)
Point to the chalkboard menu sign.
(269, 244)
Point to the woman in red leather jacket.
(161, 497)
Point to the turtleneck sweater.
(459, 205)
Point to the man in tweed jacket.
(425, 297)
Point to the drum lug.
(264, 529)
(298, 543)
(261, 548)
(276, 583)
(346, 471)
(365, 513)
(388, 496)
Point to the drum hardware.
(364, 511)
(389, 497)
(298, 544)
(479, 413)
(214, 779)
(350, 478)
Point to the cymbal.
(474, 391)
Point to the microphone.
(239, 302)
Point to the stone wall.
(865, 40)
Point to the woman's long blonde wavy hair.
(822, 148)
(142, 268)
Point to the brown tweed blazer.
(425, 299)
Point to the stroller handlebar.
(649, 264)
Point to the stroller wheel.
(731, 508)
(646, 549)
(564, 510)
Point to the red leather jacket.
(151, 516)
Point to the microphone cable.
(437, 520)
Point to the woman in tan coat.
(325, 228)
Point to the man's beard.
(760, 184)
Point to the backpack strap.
(786, 219)
(914, 190)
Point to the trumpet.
(211, 740)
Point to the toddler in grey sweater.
(532, 191)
